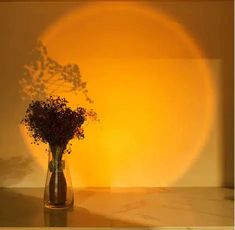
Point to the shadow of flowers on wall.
(44, 76)
(13, 169)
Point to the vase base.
(58, 206)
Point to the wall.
(161, 76)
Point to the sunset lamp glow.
(152, 91)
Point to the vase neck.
(57, 152)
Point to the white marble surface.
(153, 208)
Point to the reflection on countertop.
(133, 207)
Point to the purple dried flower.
(52, 121)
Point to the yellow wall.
(161, 79)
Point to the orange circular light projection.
(152, 90)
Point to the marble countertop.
(144, 208)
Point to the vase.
(58, 193)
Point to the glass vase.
(58, 193)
